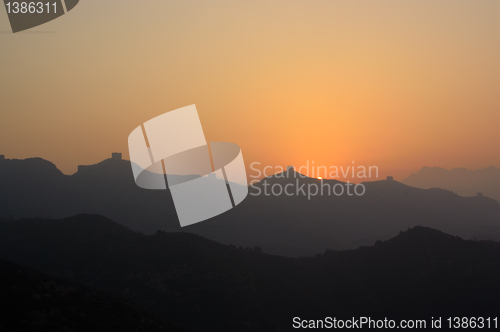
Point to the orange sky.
(397, 84)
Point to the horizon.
(281, 169)
(391, 83)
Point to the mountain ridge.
(39, 302)
(207, 286)
(463, 181)
(295, 225)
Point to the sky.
(387, 83)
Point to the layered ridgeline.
(295, 225)
(34, 301)
(460, 180)
(205, 286)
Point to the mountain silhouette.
(38, 302)
(285, 225)
(195, 282)
(296, 225)
(460, 180)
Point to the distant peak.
(420, 233)
(30, 166)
